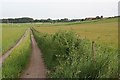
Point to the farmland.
(103, 31)
(11, 33)
(85, 49)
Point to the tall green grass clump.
(69, 56)
(16, 62)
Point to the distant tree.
(82, 20)
(18, 20)
(97, 17)
(36, 20)
(64, 20)
(49, 20)
(101, 17)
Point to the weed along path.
(5, 55)
(36, 67)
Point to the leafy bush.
(69, 56)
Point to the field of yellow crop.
(104, 31)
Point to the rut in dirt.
(35, 67)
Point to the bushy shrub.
(69, 56)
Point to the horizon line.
(56, 18)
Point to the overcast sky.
(57, 8)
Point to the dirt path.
(3, 57)
(36, 67)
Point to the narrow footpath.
(36, 67)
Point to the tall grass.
(11, 33)
(16, 62)
(69, 56)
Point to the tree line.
(31, 20)
(18, 20)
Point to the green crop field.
(103, 31)
(11, 33)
